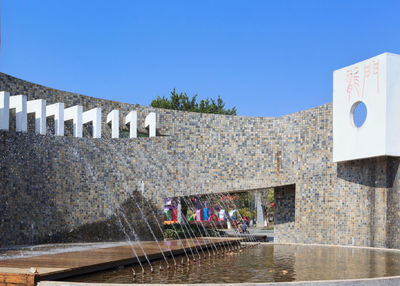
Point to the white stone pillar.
(179, 216)
(74, 113)
(94, 116)
(19, 103)
(260, 213)
(57, 110)
(151, 121)
(113, 117)
(38, 106)
(4, 110)
(131, 119)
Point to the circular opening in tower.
(358, 114)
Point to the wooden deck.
(66, 264)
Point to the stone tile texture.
(52, 186)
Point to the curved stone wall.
(60, 184)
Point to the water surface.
(267, 263)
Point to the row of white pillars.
(61, 114)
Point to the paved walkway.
(253, 231)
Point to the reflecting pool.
(266, 263)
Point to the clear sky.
(267, 58)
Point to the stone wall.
(284, 213)
(71, 189)
(64, 184)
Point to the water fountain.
(271, 262)
(191, 235)
(205, 230)
(226, 244)
(132, 230)
(236, 225)
(152, 232)
(188, 226)
(252, 237)
(183, 246)
(161, 230)
(131, 245)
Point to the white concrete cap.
(94, 116)
(38, 106)
(113, 117)
(74, 113)
(150, 121)
(57, 110)
(376, 83)
(19, 103)
(131, 119)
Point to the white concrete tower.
(375, 84)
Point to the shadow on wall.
(373, 172)
(127, 223)
(62, 189)
(378, 179)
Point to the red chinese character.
(375, 67)
(353, 80)
(367, 73)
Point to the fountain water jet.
(231, 247)
(224, 243)
(251, 237)
(205, 230)
(151, 230)
(132, 230)
(130, 244)
(187, 240)
(209, 254)
(183, 246)
(190, 232)
(161, 230)
(186, 222)
(237, 228)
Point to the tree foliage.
(181, 101)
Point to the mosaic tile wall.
(59, 185)
(284, 213)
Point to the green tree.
(181, 101)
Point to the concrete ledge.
(386, 281)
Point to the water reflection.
(268, 263)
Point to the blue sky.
(267, 58)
